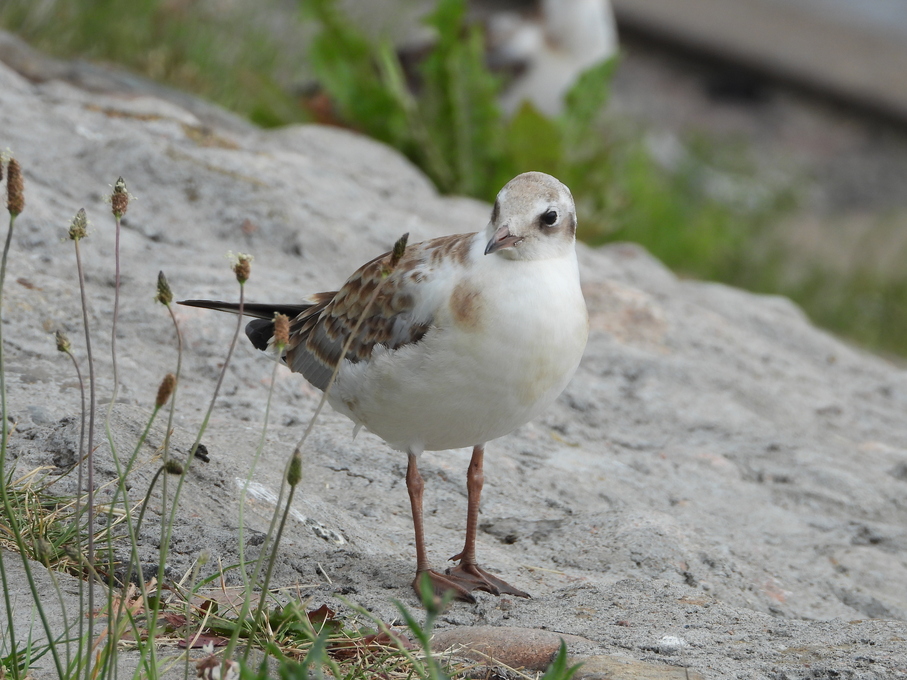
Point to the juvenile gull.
(471, 336)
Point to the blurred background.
(760, 143)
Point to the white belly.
(487, 366)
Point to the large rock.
(722, 486)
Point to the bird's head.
(533, 219)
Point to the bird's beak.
(502, 239)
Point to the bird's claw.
(441, 585)
(472, 577)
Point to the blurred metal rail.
(825, 51)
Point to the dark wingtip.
(260, 332)
(209, 304)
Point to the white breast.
(506, 339)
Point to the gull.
(469, 337)
(550, 48)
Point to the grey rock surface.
(721, 487)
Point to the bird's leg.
(467, 572)
(475, 480)
(440, 583)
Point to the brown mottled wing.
(317, 336)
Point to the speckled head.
(533, 219)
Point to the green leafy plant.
(448, 124)
(559, 670)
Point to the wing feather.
(395, 318)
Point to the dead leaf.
(203, 639)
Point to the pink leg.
(440, 584)
(467, 573)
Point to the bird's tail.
(253, 309)
(261, 328)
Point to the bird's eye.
(549, 218)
